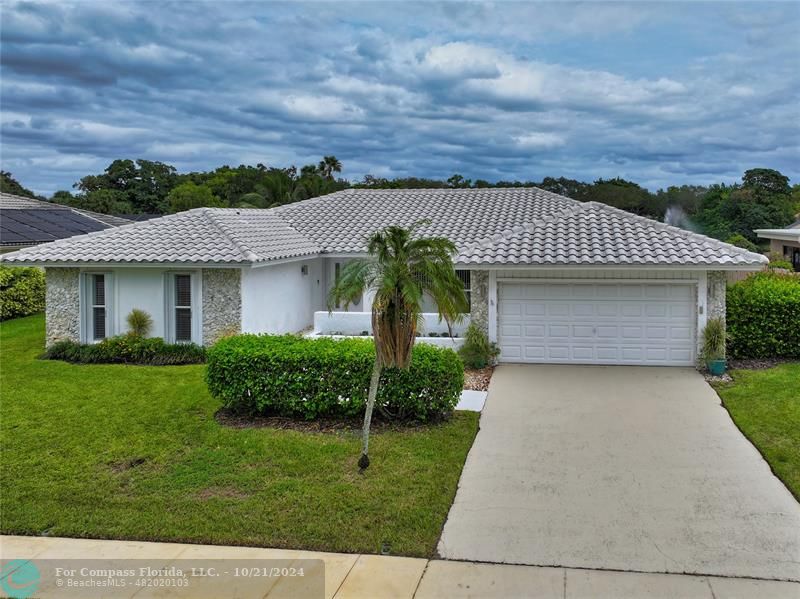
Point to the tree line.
(764, 198)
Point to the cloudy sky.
(661, 93)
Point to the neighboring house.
(550, 279)
(785, 242)
(25, 222)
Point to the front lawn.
(134, 452)
(765, 405)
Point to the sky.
(659, 93)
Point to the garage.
(612, 322)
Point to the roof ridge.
(246, 252)
(677, 230)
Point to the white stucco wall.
(280, 298)
(141, 288)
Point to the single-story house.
(25, 222)
(550, 279)
(785, 242)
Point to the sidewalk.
(379, 577)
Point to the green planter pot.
(716, 367)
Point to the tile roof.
(26, 221)
(489, 226)
(203, 235)
(597, 234)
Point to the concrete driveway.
(625, 468)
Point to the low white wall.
(280, 298)
(454, 344)
(354, 323)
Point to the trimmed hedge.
(311, 378)
(127, 349)
(763, 317)
(21, 291)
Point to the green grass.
(71, 434)
(765, 405)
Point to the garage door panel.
(607, 309)
(630, 310)
(603, 323)
(535, 330)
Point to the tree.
(143, 184)
(329, 165)
(8, 184)
(766, 179)
(189, 195)
(401, 268)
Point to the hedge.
(127, 349)
(21, 291)
(312, 378)
(763, 317)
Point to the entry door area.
(649, 324)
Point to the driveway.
(625, 468)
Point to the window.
(182, 307)
(99, 314)
(466, 280)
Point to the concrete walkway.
(377, 577)
(619, 468)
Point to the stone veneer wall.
(479, 312)
(715, 298)
(62, 305)
(222, 303)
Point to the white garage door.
(597, 323)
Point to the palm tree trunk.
(363, 461)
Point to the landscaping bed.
(136, 452)
(765, 405)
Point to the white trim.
(105, 265)
(85, 309)
(779, 234)
(621, 267)
(593, 281)
(196, 281)
(702, 305)
(492, 308)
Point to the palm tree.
(401, 268)
(329, 165)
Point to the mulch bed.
(757, 363)
(478, 379)
(322, 425)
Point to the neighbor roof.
(489, 226)
(25, 221)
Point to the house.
(550, 279)
(785, 242)
(25, 222)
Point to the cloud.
(506, 91)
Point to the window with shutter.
(98, 288)
(183, 308)
(466, 280)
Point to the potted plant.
(714, 338)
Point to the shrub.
(781, 264)
(127, 349)
(477, 351)
(310, 378)
(714, 338)
(763, 317)
(741, 241)
(21, 292)
(140, 323)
